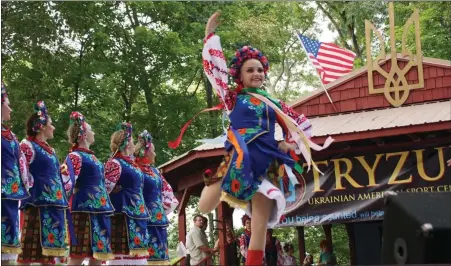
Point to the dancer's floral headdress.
(78, 120)
(244, 219)
(146, 139)
(41, 110)
(4, 95)
(128, 129)
(243, 54)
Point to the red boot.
(254, 257)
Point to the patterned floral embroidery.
(170, 202)
(97, 200)
(100, 198)
(137, 208)
(246, 133)
(100, 241)
(230, 99)
(27, 150)
(8, 238)
(52, 235)
(112, 174)
(157, 213)
(236, 184)
(137, 238)
(76, 165)
(301, 120)
(259, 108)
(157, 249)
(253, 104)
(11, 185)
(76, 162)
(54, 193)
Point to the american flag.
(330, 60)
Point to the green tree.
(435, 27)
(348, 20)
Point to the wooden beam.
(379, 141)
(190, 157)
(194, 179)
(328, 233)
(182, 231)
(222, 215)
(414, 137)
(400, 145)
(351, 238)
(301, 243)
(386, 132)
(183, 201)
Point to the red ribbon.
(174, 144)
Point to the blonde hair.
(72, 133)
(117, 138)
(138, 147)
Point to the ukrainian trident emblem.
(396, 88)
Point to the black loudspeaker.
(417, 228)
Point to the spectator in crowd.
(196, 241)
(288, 257)
(232, 244)
(245, 237)
(326, 257)
(308, 261)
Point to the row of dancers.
(81, 209)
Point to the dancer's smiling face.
(252, 74)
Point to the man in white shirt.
(196, 242)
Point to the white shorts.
(271, 192)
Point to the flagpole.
(320, 81)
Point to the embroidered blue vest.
(153, 198)
(252, 118)
(127, 196)
(12, 184)
(48, 189)
(90, 194)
